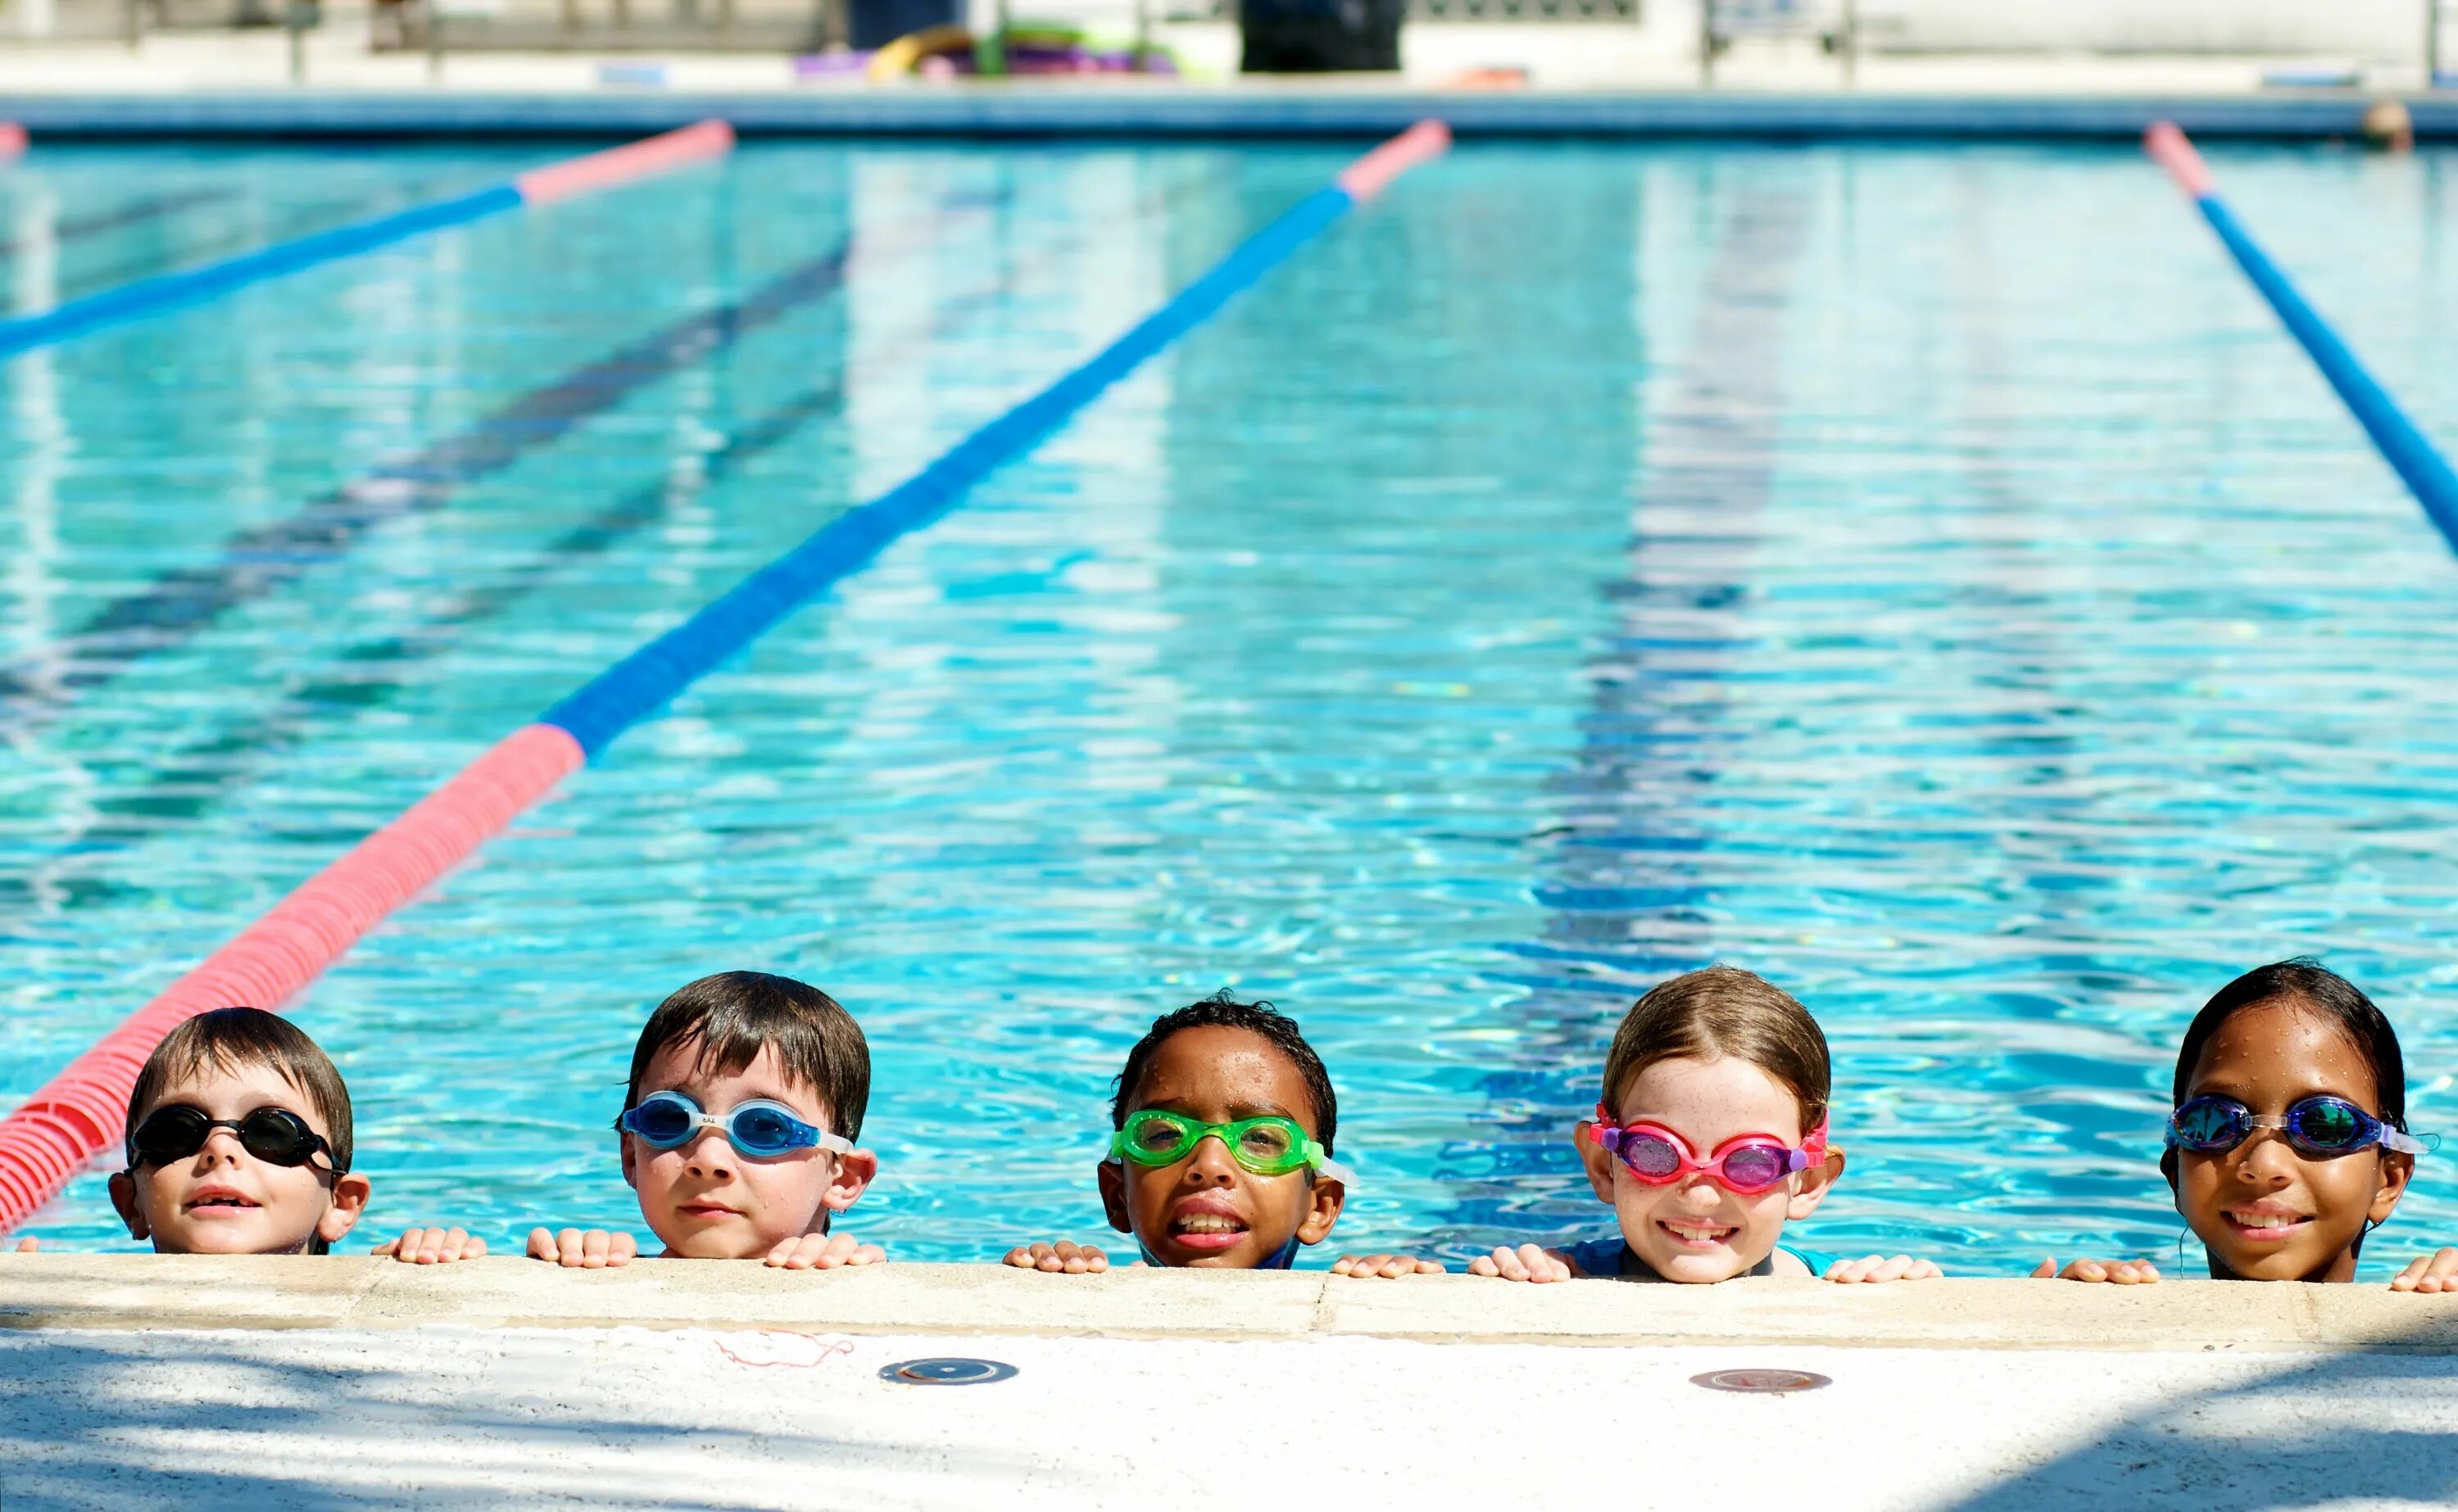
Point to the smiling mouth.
(2262, 1226)
(1207, 1231)
(1696, 1235)
(706, 1210)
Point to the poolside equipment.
(79, 1112)
(1268, 1146)
(947, 1370)
(2320, 1128)
(540, 186)
(1745, 1163)
(2426, 473)
(274, 1135)
(759, 1128)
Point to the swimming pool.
(1927, 577)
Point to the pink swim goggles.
(1744, 1165)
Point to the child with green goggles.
(1222, 1154)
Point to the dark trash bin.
(876, 23)
(1319, 36)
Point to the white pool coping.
(120, 1291)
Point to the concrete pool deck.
(128, 1382)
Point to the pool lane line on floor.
(2424, 469)
(169, 291)
(120, 216)
(186, 780)
(78, 1113)
(265, 558)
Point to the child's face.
(1207, 1210)
(2262, 1211)
(221, 1200)
(1692, 1228)
(709, 1201)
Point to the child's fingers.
(2085, 1271)
(1507, 1265)
(26, 1246)
(467, 1246)
(389, 1248)
(2430, 1274)
(2045, 1271)
(866, 1255)
(1484, 1265)
(542, 1245)
(1079, 1259)
(2134, 1273)
(1022, 1257)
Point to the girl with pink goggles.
(1744, 1165)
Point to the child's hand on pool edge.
(2115, 1273)
(1064, 1257)
(2428, 1273)
(432, 1247)
(592, 1249)
(1529, 1262)
(1386, 1267)
(1871, 1270)
(823, 1251)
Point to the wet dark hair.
(2328, 996)
(1221, 1011)
(228, 1039)
(737, 1014)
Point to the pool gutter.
(1344, 110)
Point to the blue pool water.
(1926, 578)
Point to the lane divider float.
(619, 165)
(78, 1115)
(2410, 452)
(12, 140)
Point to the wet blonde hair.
(1723, 1010)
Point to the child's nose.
(223, 1145)
(710, 1154)
(2266, 1157)
(1211, 1164)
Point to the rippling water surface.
(1929, 578)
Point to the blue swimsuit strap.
(1285, 1260)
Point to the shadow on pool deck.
(2292, 1438)
(130, 1420)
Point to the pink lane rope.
(12, 140)
(1368, 175)
(79, 1113)
(617, 165)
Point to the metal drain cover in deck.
(1770, 1381)
(947, 1370)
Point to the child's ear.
(2398, 1168)
(1595, 1158)
(1815, 1184)
(630, 1172)
(350, 1193)
(132, 1212)
(1112, 1177)
(1323, 1203)
(855, 1172)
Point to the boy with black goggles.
(239, 1141)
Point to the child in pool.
(747, 1096)
(239, 1141)
(1221, 1156)
(1711, 1136)
(2288, 1141)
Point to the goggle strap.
(1337, 1172)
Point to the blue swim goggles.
(757, 1129)
(2318, 1128)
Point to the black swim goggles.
(274, 1135)
(2319, 1128)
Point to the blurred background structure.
(1499, 43)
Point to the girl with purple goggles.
(1746, 1164)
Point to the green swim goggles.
(1268, 1146)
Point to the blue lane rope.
(171, 290)
(2426, 473)
(644, 681)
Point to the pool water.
(1929, 578)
